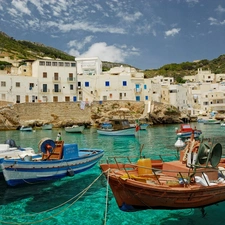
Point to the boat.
(57, 160)
(195, 180)
(10, 150)
(142, 126)
(75, 129)
(186, 130)
(117, 127)
(46, 126)
(26, 128)
(211, 121)
(222, 124)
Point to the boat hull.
(47, 127)
(123, 132)
(78, 129)
(188, 134)
(18, 171)
(131, 194)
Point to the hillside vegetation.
(25, 50)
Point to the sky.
(145, 34)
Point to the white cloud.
(220, 9)
(107, 53)
(214, 21)
(21, 6)
(172, 32)
(80, 45)
(129, 17)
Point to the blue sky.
(145, 34)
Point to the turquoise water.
(82, 199)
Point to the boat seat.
(56, 153)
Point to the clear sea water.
(85, 198)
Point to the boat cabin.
(119, 124)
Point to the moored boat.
(46, 126)
(26, 128)
(118, 127)
(75, 129)
(186, 131)
(190, 182)
(57, 160)
(10, 150)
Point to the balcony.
(56, 79)
(138, 90)
(71, 79)
(45, 90)
(56, 90)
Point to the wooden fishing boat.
(118, 127)
(195, 180)
(57, 160)
(186, 131)
(75, 129)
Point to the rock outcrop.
(69, 113)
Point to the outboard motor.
(11, 143)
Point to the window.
(70, 77)
(48, 64)
(54, 63)
(67, 64)
(73, 64)
(124, 83)
(86, 84)
(45, 88)
(3, 96)
(146, 97)
(42, 63)
(61, 64)
(71, 87)
(44, 75)
(56, 76)
(145, 86)
(110, 95)
(17, 84)
(3, 84)
(56, 88)
(107, 83)
(31, 85)
(18, 99)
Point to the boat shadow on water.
(55, 190)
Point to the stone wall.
(55, 112)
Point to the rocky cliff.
(62, 114)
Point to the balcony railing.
(45, 90)
(138, 90)
(71, 79)
(56, 90)
(56, 79)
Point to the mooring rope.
(107, 197)
(78, 196)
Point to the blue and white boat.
(118, 127)
(57, 160)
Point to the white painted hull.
(78, 129)
(47, 127)
(124, 132)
